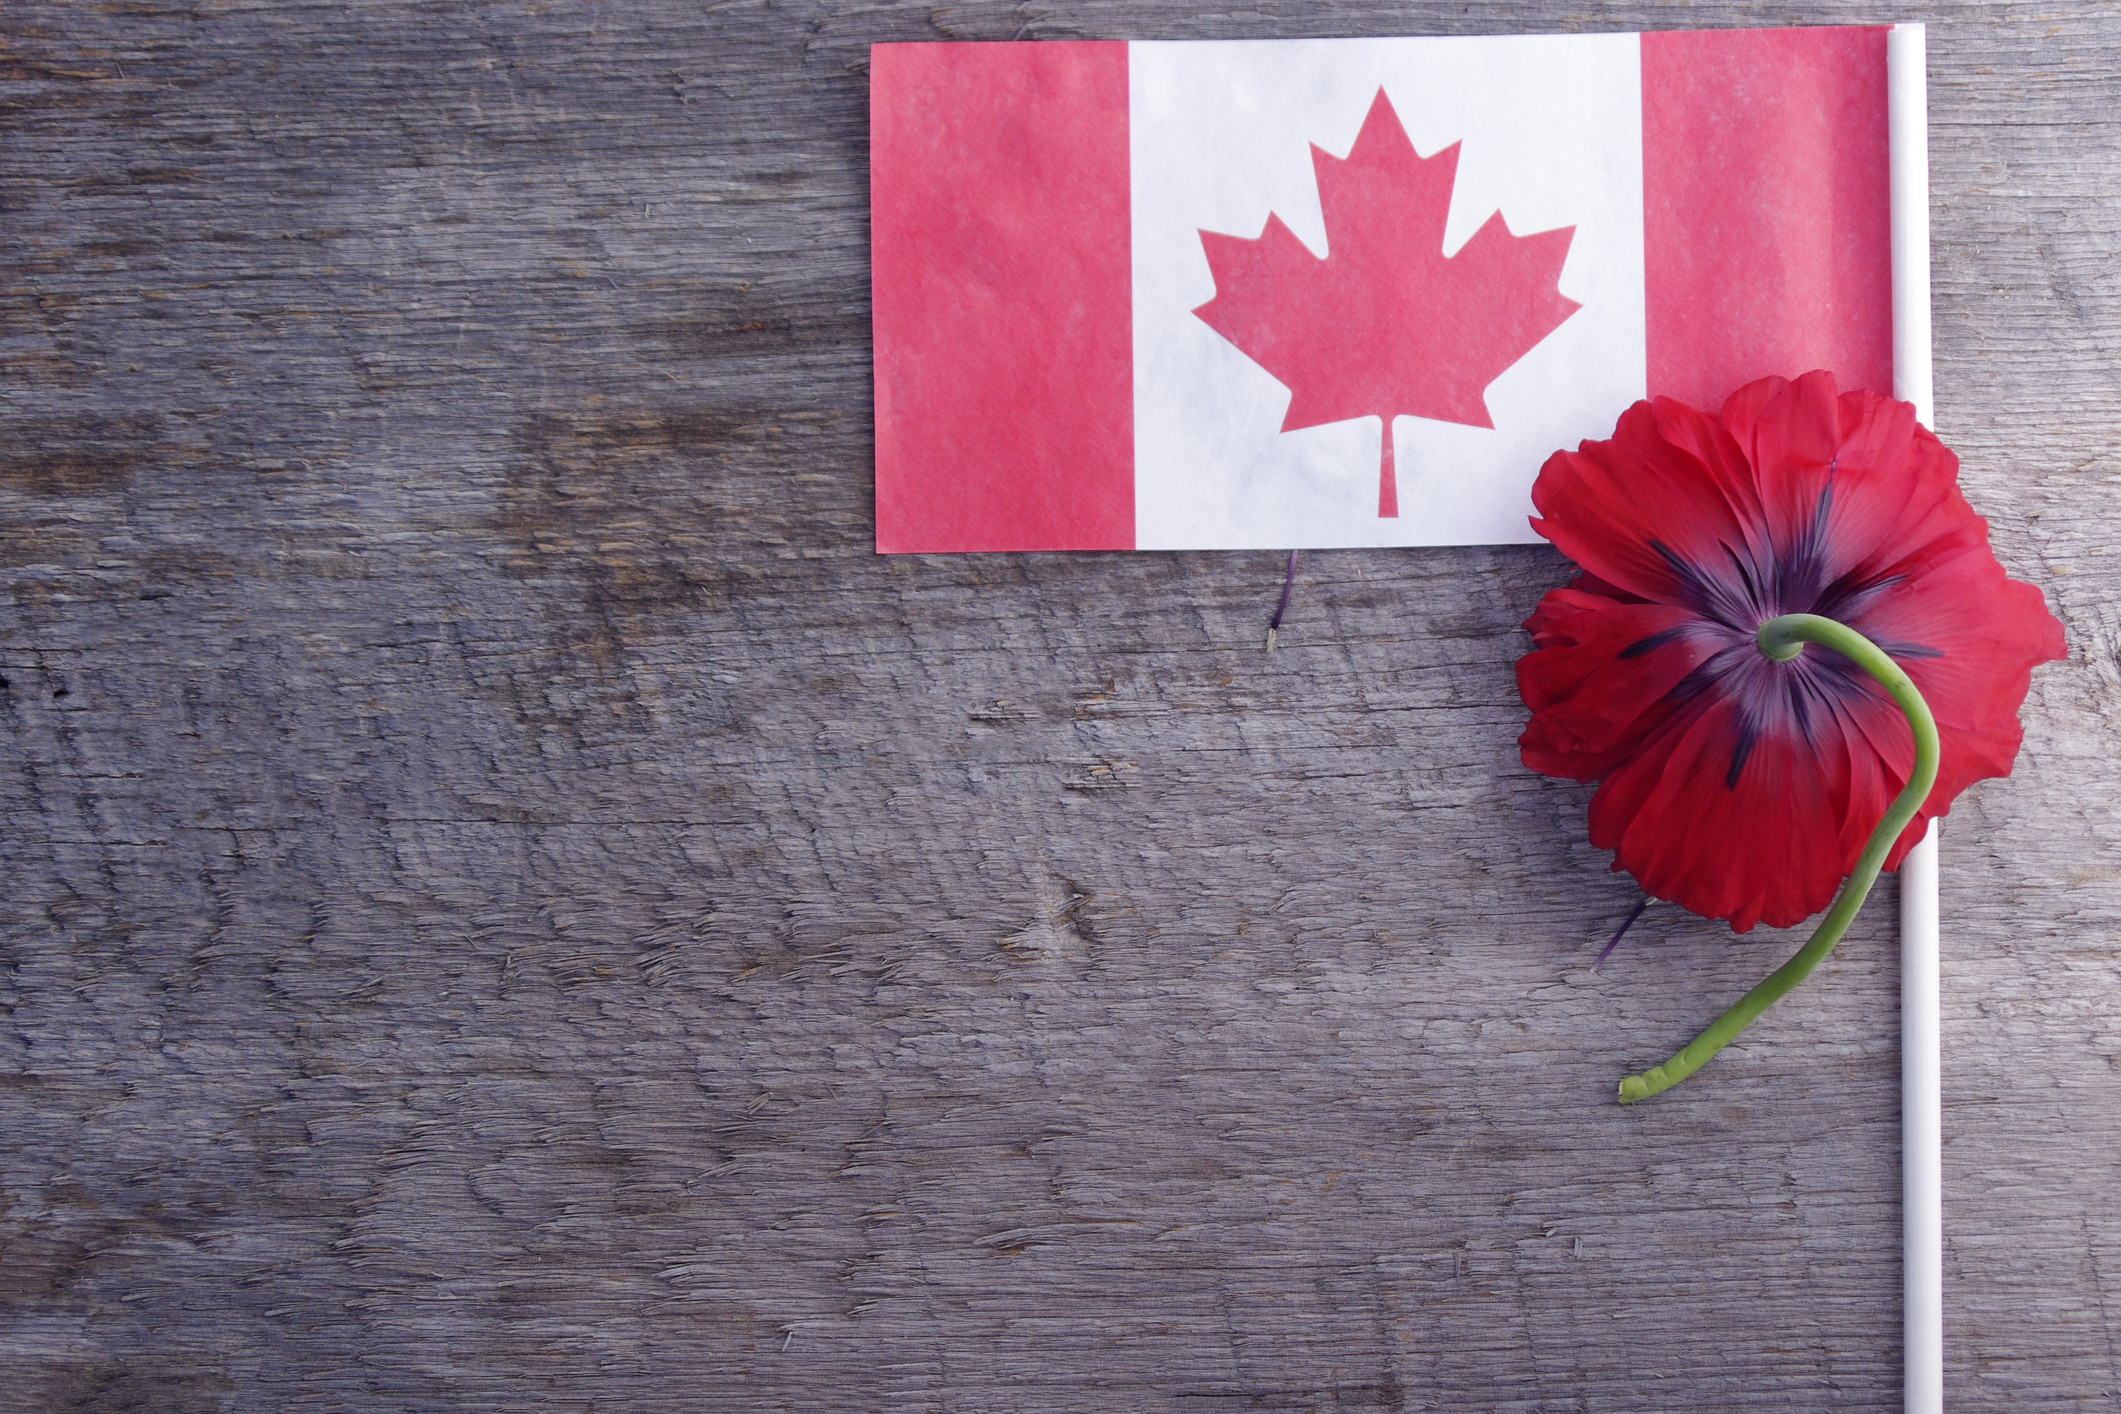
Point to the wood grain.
(510, 904)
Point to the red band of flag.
(1001, 252)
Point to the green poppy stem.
(1783, 639)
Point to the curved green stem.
(1783, 639)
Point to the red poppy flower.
(1739, 787)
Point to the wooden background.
(508, 902)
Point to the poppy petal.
(1748, 850)
(1642, 514)
(1599, 674)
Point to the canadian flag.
(1295, 294)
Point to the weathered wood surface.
(508, 901)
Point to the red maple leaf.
(1386, 326)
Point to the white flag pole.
(1921, 1104)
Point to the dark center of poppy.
(1795, 698)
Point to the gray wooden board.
(509, 902)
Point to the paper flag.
(1295, 294)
